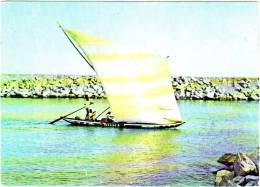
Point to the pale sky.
(202, 38)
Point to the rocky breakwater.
(38, 86)
(239, 170)
(214, 88)
(56, 86)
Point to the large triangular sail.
(137, 84)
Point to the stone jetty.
(239, 170)
(71, 86)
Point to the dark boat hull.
(88, 123)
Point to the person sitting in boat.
(91, 114)
(77, 117)
(87, 114)
(110, 117)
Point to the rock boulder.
(244, 165)
(223, 178)
(250, 178)
(239, 180)
(228, 159)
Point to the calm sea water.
(36, 153)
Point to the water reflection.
(143, 157)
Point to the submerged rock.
(244, 165)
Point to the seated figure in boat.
(77, 117)
(110, 117)
(91, 115)
(87, 114)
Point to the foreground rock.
(228, 159)
(252, 180)
(239, 180)
(242, 171)
(244, 165)
(206, 88)
(224, 177)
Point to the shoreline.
(77, 86)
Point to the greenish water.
(36, 153)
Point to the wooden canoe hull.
(87, 123)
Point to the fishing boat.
(137, 84)
(122, 124)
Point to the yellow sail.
(137, 84)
